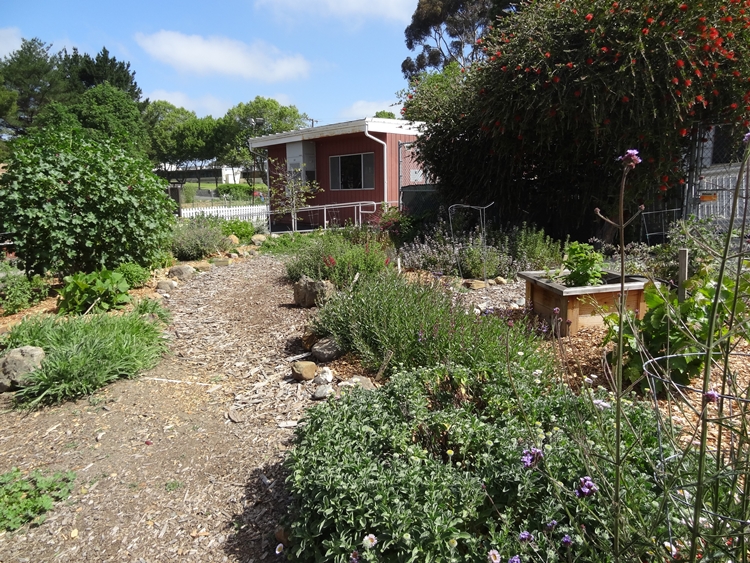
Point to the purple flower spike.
(711, 395)
(531, 457)
(515, 559)
(551, 525)
(586, 487)
(567, 541)
(525, 537)
(746, 138)
(630, 158)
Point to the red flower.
(644, 31)
(663, 188)
(625, 99)
(675, 81)
(683, 7)
(555, 79)
(605, 49)
(649, 21)
(589, 61)
(733, 106)
(680, 63)
(589, 17)
(569, 65)
(577, 93)
(688, 82)
(683, 132)
(547, 55)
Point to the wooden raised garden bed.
(582, 306)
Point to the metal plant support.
(482, 233)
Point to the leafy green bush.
(197, 238)
(332, 257)
(243, 230)
(238, 192)
(188, 192)
(75, 205)
(289, 244)
(671, 327)
(478, 261)
(447, 464)
(419, 324)
(27, 499)
(97, 291)
(18, 292)
(135, 276)
(584, 265)
(84, 354)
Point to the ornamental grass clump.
(198, 238)
(86, 353)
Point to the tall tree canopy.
(82, 72)
(30, 72)
(163, 121)
(444, 31)
(565, 87)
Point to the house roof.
(371, 124)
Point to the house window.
(353, 172)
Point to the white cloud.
(10, 40)
(205, 105)
(399, 10)
(362, 108)
(221, 55)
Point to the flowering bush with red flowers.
(566, 86)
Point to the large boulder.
(326, 350)
(17, 364)
(182, 273)
(309, 292)
(304, 371)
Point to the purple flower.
(567, 541)
(515, 559)
(556, 311)
(531, 457)
(712, 396)
(746, 138)
(630, 158)
(551, 525)
(586, 487)
(354, 557)
(493, 556)
(525, 537)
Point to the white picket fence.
(253, 213)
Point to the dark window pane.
(368, 172)
(351, 172)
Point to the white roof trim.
(371, 124)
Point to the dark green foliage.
(18, 292)
(26, 499)
(135, 276)
(418, 323)
(83, 72)
(431, 464)
(84, 354)
(332, 257)
(98, 291)
(75, 205)
(564, 88)
(238, 192)
(197, 238)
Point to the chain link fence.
(417, 194)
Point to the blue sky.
(335, 60)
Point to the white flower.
(452, 543)
(369, 541)
(279, 548)
(598, 403)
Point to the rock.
(309, 293)
(234, 255)
(500, 281)
(324, 377)
(233, 240)
(491, 282)
(474, 284)
(309, 338)
(166, 285)
(221, 262)
(362, 382)
(326, 350)
(18, 363)
(203, 266)
(304, 371)
(323, 392)
(282, 536)
(258, 239)
(182, 273)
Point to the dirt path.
(185, 462)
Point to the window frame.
(337, 169)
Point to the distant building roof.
(370, 124)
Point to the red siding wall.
(355, 143)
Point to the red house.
(354, 161)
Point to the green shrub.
(479, 262)
(18, 292)
(26, 499)
(418, 324)
(584, 265)
(289, 244)
(243, 230)
(238, 192)
(197, 238)
(438, 465)
(84, 354)
(134, 275)
(332, 257)
(75, 205)
(188, 192)
(97, 291)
